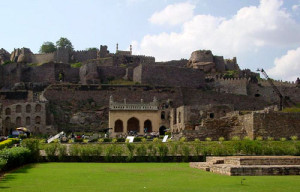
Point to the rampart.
(80, 56)
(168, 76)
(43, 58)
(232, 85)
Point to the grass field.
(135, 177)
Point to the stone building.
(189, 117)
(137, 117)
(31, 115)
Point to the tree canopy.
(47, 47)
(64, 43)
(92, 48)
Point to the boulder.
(4, 56)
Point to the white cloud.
(173, 14)
(249, 30)
(295, 7)
(288, 66)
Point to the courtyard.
(136, 177)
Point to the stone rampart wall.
(43, 58)
(169, 76)
(80, 56)
(276, 124)
(110, 73)
(232, 85)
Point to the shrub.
(6, 143)
(144, 140)
(282, 139)
(163, 149)
(50, 150)
(182, 139)
(185, 151)
(246, 138)
(15, 157)
(235, 138)
(100, 140)
(221, 139)
(294, 138)
(107, 140)
(259, 138)
(137, 139)
(130, 148)
(114, 140)
(207, 139)
(141, 150)
(152, 151)
(174, 148)
(2, 163)
(33, 145)
(270, 138)
(120, 140)
(168, 133)
(62, 151)
(156, 140)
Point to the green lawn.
(135, 177)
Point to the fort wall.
(110, 73)
(43, 58)
(232, 85)
(276, 124)
(80, 56)
(169, 76)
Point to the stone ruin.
(250, 165)
(4, 56)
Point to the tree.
(47, 47)
(92, 49)
(64, 43)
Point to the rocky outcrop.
(22, 55)
(4, 56)
(88, 74)
(202, 59)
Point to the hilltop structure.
(204, 96)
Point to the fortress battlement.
(264, 82)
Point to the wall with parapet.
(174, 63)
(232, 85)
(169, 76)
(43, 58)
(80, 56)
(110, 73)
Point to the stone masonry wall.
(276, 124)
(170, 76)
(80, 56)
(43, 58)
(233, 85)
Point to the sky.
(260, 33)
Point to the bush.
(130, 148)
(185, 152)
(137, 139)
(259, 138)
(15, 157)
(221, 139)
(182, 139)
(6, 143)
(62, 151)
(235, 138)
(50, 150)
(162, 150)
(2, 163)
(294, 138)
(270, 138)
(107, 140)
(120, 140)
(282, 139)
(207, 139)
(33, 146)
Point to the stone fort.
(203, 96)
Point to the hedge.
(15, 157)
(8, 143)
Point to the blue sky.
(260, 33)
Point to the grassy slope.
(135, 177)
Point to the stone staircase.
(251, 165)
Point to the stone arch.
(28, 108)
(18, 121)
(163, 115)
(133, 124)
(38, 108)
(18, 109)
(162, 130)
(28, 121)
(7, 111)
(38, 120)
(118, 126)
(148, 126)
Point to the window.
(163, 115)
(27, 120)
(18, 109)
(28, 108)
(38, 108)
(7, 111)
(118, 126)
(38, 120)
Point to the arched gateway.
(133, 124)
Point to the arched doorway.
(162, 130)
(118, 126)
(148, 126)
(133, 124)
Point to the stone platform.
(251, 165)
